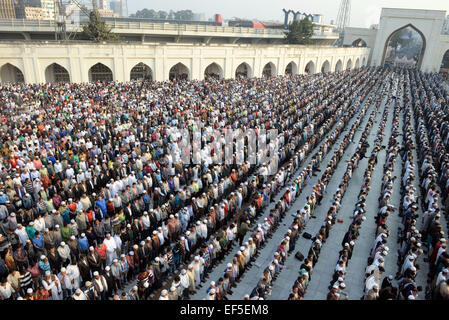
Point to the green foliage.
(97, 30)
(185, 15)
(300, 32)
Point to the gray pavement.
(324, 268)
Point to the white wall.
(33, 58)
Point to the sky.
(363, 12)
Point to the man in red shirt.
(101, 249)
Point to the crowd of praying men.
(94, 198)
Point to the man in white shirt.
(111, 246)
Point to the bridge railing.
(10, 24)
(191, 27)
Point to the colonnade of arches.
(56, 72)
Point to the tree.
(162, 14)
(300, 32)
(184, 15)
(97, 30)
(145, 14)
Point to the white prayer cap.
(229, 265)
(271, 268)
(173, 288)
(164, 292)
(47, 273)
(63, 269)
(183, 271)
(29, 290)
(43, 257)
(411, 297)
(107, 268)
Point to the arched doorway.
(10, 73)
(56, 73)
(213, 71)
(359, 43)
(445, 63)
(179, 71)
(141, 72)
(339, 66)
(243, 71)
(100, 72)
(291, 69)
(349, 65)
(269, 70)
(326, 67)
(357, 63)
(310, 68)
(364, 62)
(404, 48)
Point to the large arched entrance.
(357, 63)
(291, 69)
(364, 62)
(310, 68)
(179, 71)
(213, 71)
(326, 67)
(10, 73)
(404, 48)
(269, 70)
(445, 63)
(339, 66)
(141, 72)
(56, 73)
(100, 72)
(243, 71)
